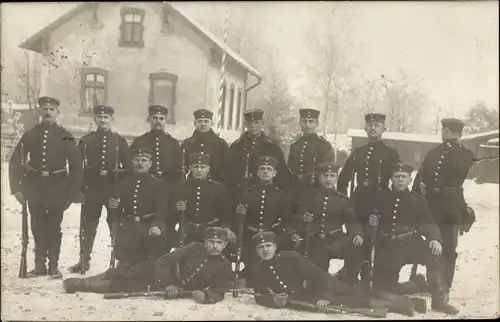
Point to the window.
(231, 107)
(223, 107)
(238, 110)
(162, 91)
(94, 85)
(132, 27)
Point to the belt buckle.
(137, 218)
(322, 236)
(159, 173)
(45, 173)
(365, 183)
(103, 172)
(393, 237)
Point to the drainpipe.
(259, 80)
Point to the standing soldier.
(371, 164)
(266, 208)
(142, 211)
(204, 202)
(205, 140)
(166, 159)
(46, 182)
(440, 180)
(254, 143)
(99, 151)
(307, 152)
(324, 212)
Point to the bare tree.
(29, 77)
(481, 118)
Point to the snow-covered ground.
(475, 291)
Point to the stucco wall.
(180, 51)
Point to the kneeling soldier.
(197, 267)
(203, 200)
(142, 208)
(404, 220)
(324, 211)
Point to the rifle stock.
(307, 240)
(23, 267)
(180, 294)
(112, 259)
(182, 213)
(82, 219)
(373, 241)
(339, 309)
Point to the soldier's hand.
(20, 198)
(114, 202)
(422, 189)
(171, 291)
(241, 210)
(308, 217)
(281, 300)
(199, 296)
(297, 240)
(373, 220)
(321, 305)
(154, 231)
(358, 240)
(181, 205)
(435, 247)
(231, 237)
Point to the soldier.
(205, 140)
(197, 267)
(370, 164)
(39, 174)
(166, 161)
(307, 152)
(203, 200)
(101, 151)
(254, 143)
(440, 180)
(324, 211)
(404, 218)
(142, 210)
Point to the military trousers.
(91, 213)
(46, 229)
(449, 233)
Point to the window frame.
(223, 107)
(84, 71)
(239, 113)
(232, 92)
(164, 76)
(131, 11)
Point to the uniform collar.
(210, 135)
(374, 143)
(44, 125)
(310, 135)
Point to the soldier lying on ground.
(405, 218)
(195, 267)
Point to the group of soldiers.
(216, 203)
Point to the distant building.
(131, 55)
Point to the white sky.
(449, 48)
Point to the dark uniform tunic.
(305, 155)
(143, 204)
(166, 160)
(260, 146)
(190, 267)
(218, 149)
(99, 151)
(443, 172)
(47, 183)
(331, 211)
(404, 218)
(207, 205)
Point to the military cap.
(199, 158)
(453, 124)
(46, 100)
(203, 114)
(157, 109)
(215, 233)
(263, 237)
(401, 167)
(265, 160)
(254, 115)
(307, 113)
(103, 109)
(142, 152)
(326, 167)
(374, 117)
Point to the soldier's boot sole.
(77, 268)
(72, 285)
(443, 307)
(55, 273)
(420, 304)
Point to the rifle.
(351, 188)
(82, 219)
(182, 224)
(113, 211)
(23, 267)
(180, 294)
(308, 225)
(340, 309)
(373, 241)
(241, 224)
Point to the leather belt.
(398, 236)
(331, 233)
(199, 224)
(140, 218)
(260, 229)
(45, 173)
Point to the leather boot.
(450, 270)
(40, 258)
(440, 297)
(54, 251)
(72, 285)
(88, 245)
(397, 303)
(92, 284)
